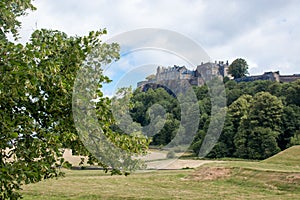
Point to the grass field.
(275, 178)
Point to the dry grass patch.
(209, 173)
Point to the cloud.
(265, 33)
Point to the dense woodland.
(262, 118)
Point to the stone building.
(203, 73)
(197, 77)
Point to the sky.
(265, 33)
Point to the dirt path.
(176, 164)
(154, 160)
(157, 160)
(154, 155)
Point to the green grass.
(275, 178)
(288, 157)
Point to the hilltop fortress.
(203, 72)
(206, 72)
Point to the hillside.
(289, 157)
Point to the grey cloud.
(267, 33)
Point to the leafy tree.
(197, 143)
(258, 86)
(290, 126)
(201, 92)
(259, 128)
(295, 140)
(10, 11)
(293, 93)
(225, 146)
(260, 143)
(167, 133)
(238, 110)
(36, 105)
(265, 111)
(205, 106)
(238, 68)
(121, 106)
(158, 112)
(275, 88)
(36, 86)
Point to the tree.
(290, 126)
(266, 111)
(293, 93)
(259, 128)
(225, 146)
(295, 140)
(238, 68)
(167, 133)
(36, 105)
(36, 86)
(238, 110)
(10, 11)
(260, 143)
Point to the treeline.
(262, 118)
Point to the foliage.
(293, 92)
(36, 86)
(156, 103)
(259, 128)
(36, 105)
(238, 68)
(10, 11)
(258, 143)
(262, 118)
(295, 140)
(225, 145)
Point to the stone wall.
(270, 76)
(289, 78)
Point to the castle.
(198, 77)
(206, 72)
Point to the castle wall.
(270, 76)
(289, 78)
